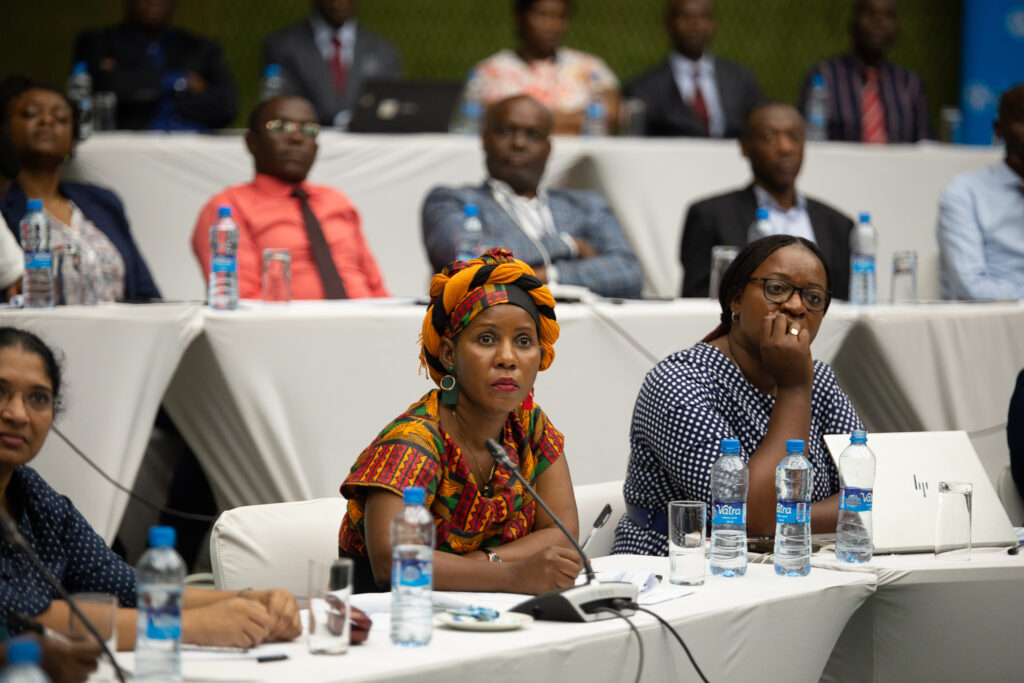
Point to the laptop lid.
(388, 106)
(908, 469)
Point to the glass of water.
(721, 256)
(101, 611)
(277, 276)
(330, 593)
(953, 520)
(687, 529)
(903, 285)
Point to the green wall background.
(441, 39)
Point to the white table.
(649, 184)
(933, 620)
(278, 402)
(737, 629)
(118, 361)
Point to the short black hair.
(747, 261)
(1012, 98)
(521, 7)
(15, 337)
(747, 127)
(14, 86)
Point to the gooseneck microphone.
(591, 601)
(9, 533)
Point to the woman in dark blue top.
(43, 127)
(30, 384)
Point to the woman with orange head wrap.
(489, 329)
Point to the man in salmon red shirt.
(280, 209)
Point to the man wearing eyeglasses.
(772, 139)
(330, 258)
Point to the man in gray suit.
(569, 236)
(694, 93)
(326, 58)
(773, 140)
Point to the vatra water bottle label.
(163, 614)
(411, 572)
(855, 500)
(730, 513)
(792, 512)
(38, 259)
(222, 264)
(863, 264)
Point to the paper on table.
(648, 585)
(209, 654)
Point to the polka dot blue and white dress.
(69, 547)
(688, 403)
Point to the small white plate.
(507, 621)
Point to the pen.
(272, 658)
(601, 520)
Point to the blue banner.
(992, 61)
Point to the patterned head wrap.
(465, 288)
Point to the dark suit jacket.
(104, 209)
(724, 219)
(306, 73)
(666, 114)
(140, 85)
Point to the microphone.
(591, 601)
(9, 533)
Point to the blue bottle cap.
(471, 210)
(272, 70)
(23, 651)
(794, 445)
(79, 68)
(730, 445)
(818, 80)
(859, 436)
(162, 537)
(223, 211)
(762, 214)
(414, 495)
(35, 205)
(865, 216)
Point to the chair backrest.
(269, 546)
(590, 499)
(1009, 496)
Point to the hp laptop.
(405, 106)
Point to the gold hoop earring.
(449, 389)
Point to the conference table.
(759, 627)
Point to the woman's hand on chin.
(236, 622)
(550, 569)
(786, 356)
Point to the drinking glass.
(903, 285)
(67, 277)
(104, 111)
(330, 592)
(101, 611)
(953, 520)
(721, 257)
(687, 526)
(277, 276)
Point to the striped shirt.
(902, 94)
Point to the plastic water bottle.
(761, 227)
(79, 91)
(160, 579)
(37, 281)
(471, 109)
(23, 657)
(794, 478)
(595, 115)
(856, 484)
(817, 110)
(863, 242)
(412, 571)
(273, 82)
(223, 286)
(471, 237)
(729, 483)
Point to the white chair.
(269, 546)
(590, 500)
(1009, 496)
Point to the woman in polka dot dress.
(752, 379)
(30, 384)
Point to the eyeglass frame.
(794, 290)
(288, 127)
(26, 401)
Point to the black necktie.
(334, 288)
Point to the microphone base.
(579, 603)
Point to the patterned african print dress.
(414, 451)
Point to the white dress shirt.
(703, 71)
(533, 216)
(793, 221)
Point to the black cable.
(621, 331)
(675, 633)
(134, 496)
(639, 641)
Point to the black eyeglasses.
(309, 129)
(778, 291)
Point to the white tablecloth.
(118, 361)
(761, 627)
(278, 402)
(934, 620)
(164, 180)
